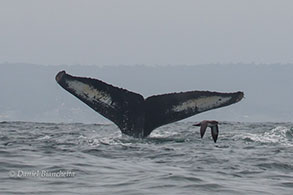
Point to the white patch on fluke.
(90, 93)
(201, 104)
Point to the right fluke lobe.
(59, 76)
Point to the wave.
(278, 135)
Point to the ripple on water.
(252, 158)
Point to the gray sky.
(152, 32)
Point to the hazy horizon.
(30, 92)
(150, 47)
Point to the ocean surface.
(48, 158)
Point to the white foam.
(279, 134)
(201, 104)
(91, 94)
(45, 137)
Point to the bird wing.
(215, 132)
(203, 128)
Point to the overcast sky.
(151, 32)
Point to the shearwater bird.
(209, 123)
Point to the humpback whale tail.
(136, 116)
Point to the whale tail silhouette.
(136, 116)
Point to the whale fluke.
(214, 128)
(136, 116)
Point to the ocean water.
(48, 158)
